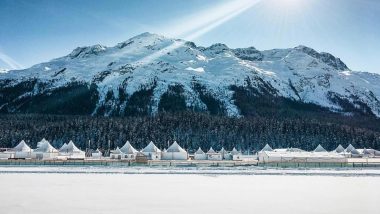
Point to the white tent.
(22, 150)
(267, 148)
(152, 152)
(320, 149)
(129, 151)
(339, 149)
(44, 150)
(352, 151)
(212, 155)
(236, 155)
(200, 155)
(175, 152)
(350, 148)
(70, 150)
(225, 155)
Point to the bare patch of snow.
(200, 69)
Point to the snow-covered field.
(121, 190)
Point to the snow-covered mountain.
(3, 70)
(151, 73)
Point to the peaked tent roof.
(222, 150)
(117, 151)
(339, 149)
(350, 148)
(22, 147)
(320, 149)
(70, 148)
(211, 150)
(45, 146)
(267, 148)
(199, 151)
(128, 148)
(151, 148)
(235, 152)
(175, 148)
(63, 148)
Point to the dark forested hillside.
(192, 129)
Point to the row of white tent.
(319, 154)
(174, 152)
(44, 150)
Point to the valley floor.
(157, 190)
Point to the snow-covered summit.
(217, 79)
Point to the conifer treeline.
(191, 130)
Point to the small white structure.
(128, 151)
(352, 152)
(96, 154)
(339, 149)
(295, 155)
(225, 154)
(212, 155)
(44, 150)
(236, 155)
(152, 152)
(71, 151)
(22, 150)
(6, 154)
(175, 152)
(200, 155)
(320, 149)
(117, 154)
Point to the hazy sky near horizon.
(34, 31)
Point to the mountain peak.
(327, 58)
(86, 51)
(217, 79)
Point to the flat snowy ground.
(27, 190)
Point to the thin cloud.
(13, 64)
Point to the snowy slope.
(156, 64)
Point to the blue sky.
(34, 31)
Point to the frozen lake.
(45, 190)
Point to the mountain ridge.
(150, 73)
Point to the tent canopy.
(45, 146)
(70, 148)
(234, 151)
(175, 148)
(128, 148)
(320, 149)
(22, 147)
(199, 151)
(350, 148)
(267, 148)
(151, 148)
(211, 150)
(339, 149)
